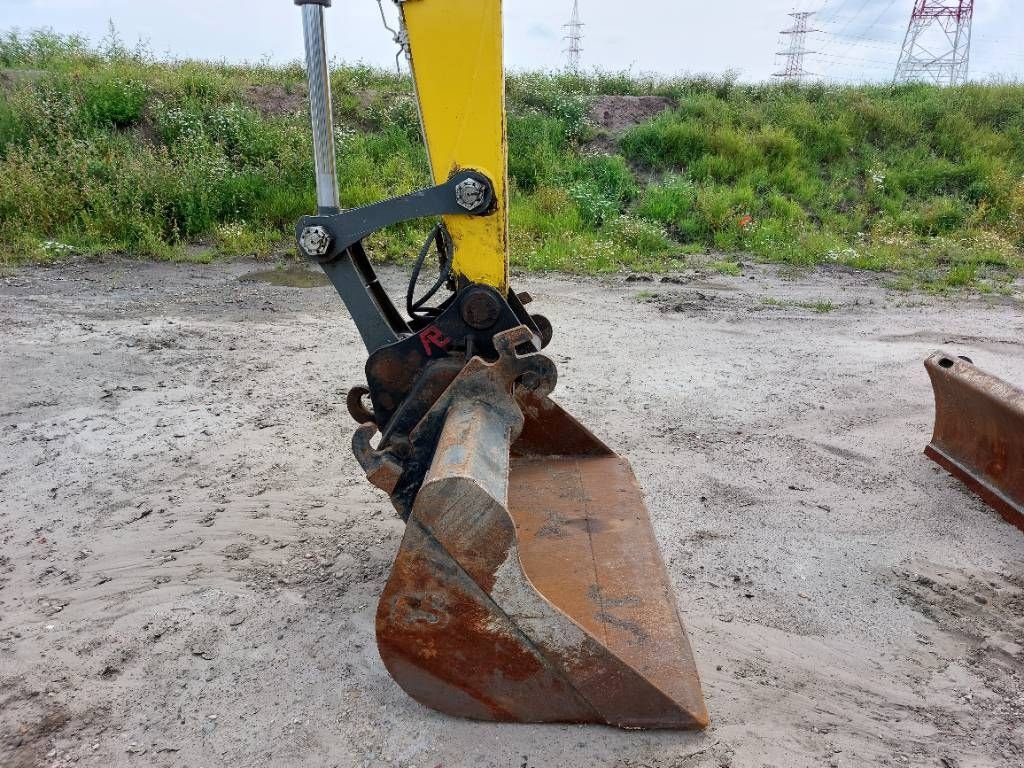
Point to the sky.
(857, 39)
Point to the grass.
(104, 148)
(731, 268)
(821, 307)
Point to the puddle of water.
(292, 277)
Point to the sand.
(190, 559)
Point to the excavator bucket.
(979, 432)
(529, 586)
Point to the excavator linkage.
(529, 586)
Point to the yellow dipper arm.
(458, 68)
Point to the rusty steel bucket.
(979, 432)
(529, 586)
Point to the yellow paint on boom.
(460, 82)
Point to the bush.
(10, 127)
(669, 201)
(665, 144)
(940, 216)
(638, 235)
(42, 49)
(537, 150)
(107, 149)
(241, 239)
(114, 100)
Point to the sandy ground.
(190, 561)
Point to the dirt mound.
(274, 100)
(618, 113)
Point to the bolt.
(480, 309)
(470, 194)
(315, 241)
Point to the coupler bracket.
(327, 236)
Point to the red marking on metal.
(433, 339)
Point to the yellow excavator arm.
(529, 585)
(458, 69)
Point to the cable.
(880, 16)
(855, 16)
(398, 36)
(417, 308)
(856, 59)
(836, 13)
(863, 39)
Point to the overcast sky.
(859, 39)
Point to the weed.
(638, 235)
(114, 100)
(726, 268)
(105, 148)
(821, 307)
(242, 239)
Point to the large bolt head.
(470, 194)
(480, 309)
(315, 241)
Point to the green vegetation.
(727, 268)
(107, 149)
(821, 307)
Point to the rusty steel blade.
(532, 589)
(979, 432)
(587, 546)
(529, 586)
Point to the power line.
(855, 16)
(856, 42)
(878, 62)
(866, 34)
(837, 13)
(880, 17)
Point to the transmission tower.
(574, 38)
(793, 57)
(937, 48)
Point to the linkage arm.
(467, 192)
